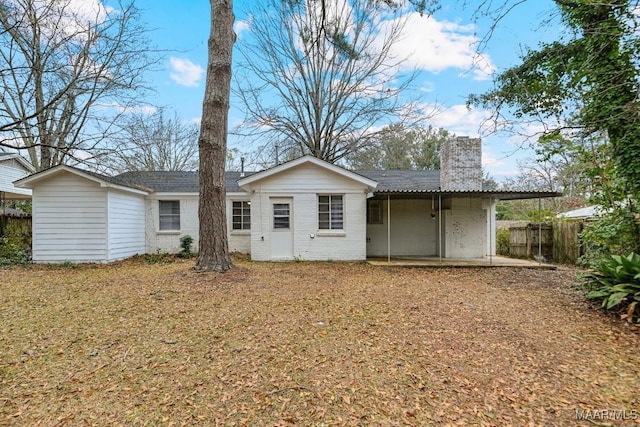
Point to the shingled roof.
(187, 182)
(176, 181)
(401, 183)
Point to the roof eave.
(307, 159)
(499, 195)
(29, 181)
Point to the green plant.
(11, 253)
(15, 244)
(615, 232)
(503, 238)
(616, 282)
(158, 258)
(185, 243)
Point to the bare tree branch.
(153, 142)
(321, 79)
(67, 75)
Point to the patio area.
(495, 261)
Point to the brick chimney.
(461, 164)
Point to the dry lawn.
(309, 344)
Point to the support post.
(490, 216)
(440, 226)
(540, 230)
(389, 228)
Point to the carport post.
(540, 230)
(440, 226)
(389, 228)
(491, 216)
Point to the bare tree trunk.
(214, 251)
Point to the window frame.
(172, 216)
(244, 216)
(330, 213)
(370, 207)
(277, 224)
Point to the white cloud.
(432, 45)
(241, 26)
(71, 19)
(459, 119)
(185, 72)
(490, 161)
(130, 109)
(428, 87)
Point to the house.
(581, 214)
(304, 209)
(13, 167)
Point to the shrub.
(616, 281)
(10, 253)
(185, 243)
(15, 245)
(616, 232)
(503, 238)
(159, 258)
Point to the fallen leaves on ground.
(324, 344)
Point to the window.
(330, 215)
(281, 215)
(374, 211)
(169, 215)
(241, 217)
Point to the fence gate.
(525, 242)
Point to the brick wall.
(461, 164)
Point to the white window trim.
(240, 231)
(179, 215)
(333, 232)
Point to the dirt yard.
(309, 344)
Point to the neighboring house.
(585, 213)
(13, 167)
(304, 209)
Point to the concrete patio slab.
(496, 261)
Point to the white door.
(281, 229)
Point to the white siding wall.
(413, 231)
(11, 170)
(126, 229)
(169, 241)
(465, 229)
(69, 220)
(303, 184)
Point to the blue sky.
(442, 46)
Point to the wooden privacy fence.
(18, 224)
(526, 242)
(560, 241)
(567, 247)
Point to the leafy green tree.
(587, 83)
(400, 147)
